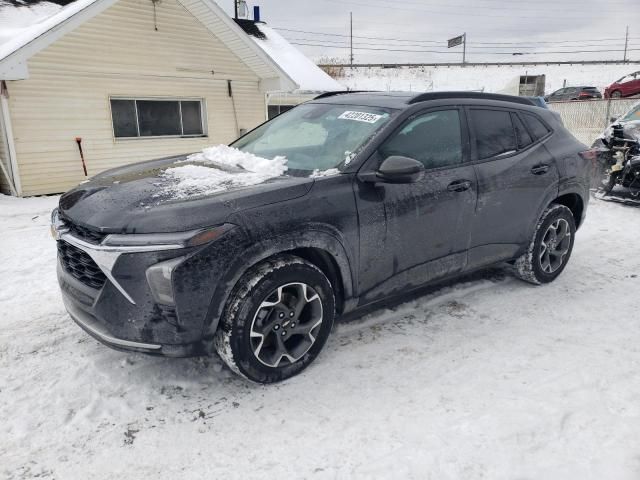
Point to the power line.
(441, 42)
(457, 53)
(343, 43)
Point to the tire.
(258, 336)
(616, 94)
(544, 259)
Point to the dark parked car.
(573, 93)
(415, 189)
(624, 87)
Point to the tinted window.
(522, 136)
(124, 118)
(535, 126)
(494, 132)
(435, 139)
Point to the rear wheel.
(277, 319)
(550, 248)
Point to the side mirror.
(395, 169)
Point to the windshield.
(315, 136)
(633, 114)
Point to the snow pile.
(220, 168)
(324, 173)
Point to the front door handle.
(459, 186)
(540, 169)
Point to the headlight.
(192, 238)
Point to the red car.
(625, 87)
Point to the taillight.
(584, 94)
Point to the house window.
(157, 118)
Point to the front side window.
(434, 138)
(494, 133)
(157, 118)
(316, 136)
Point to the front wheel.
(276, 320)
(550, 248)
(616, 94)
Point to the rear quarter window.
(537, 129)
(523, 137)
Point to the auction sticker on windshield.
(360, 116)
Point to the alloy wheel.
(286, 324)
(555, 245)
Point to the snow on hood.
(219, 168)
(301, 69)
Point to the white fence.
(587, 119)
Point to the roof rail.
(423, 97)
(339, 92)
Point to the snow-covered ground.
(486, 378)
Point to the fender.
(318, 236)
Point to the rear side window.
(522, 136)
(434, 138)
(536, 127)
(494, 132)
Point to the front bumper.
(86, 307)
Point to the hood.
(142, 198)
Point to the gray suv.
(383, 193)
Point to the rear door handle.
(540, 169)
(459, 186)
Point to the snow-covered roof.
(301, 69)
(28, 26)
(21, 25)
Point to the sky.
(387, 31)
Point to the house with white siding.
(101, 83)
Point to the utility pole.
(626, 45)
(351, 38)
(235, 5)
(464, 48)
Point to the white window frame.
(203, 116)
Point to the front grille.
(83, 233)
(80, 265)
